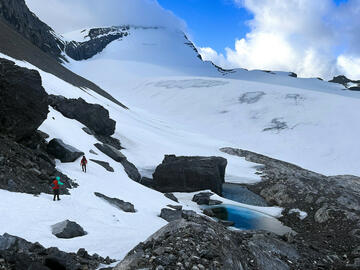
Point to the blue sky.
(213, 23)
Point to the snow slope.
(111, 232)
(178, 105)
(155, 70)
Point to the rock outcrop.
(188, 174)
(23, 100)
(17, 253)
(63, 151)
(104, 164)
(99, 39)
(104, 139)
(349, 84)
(67, 229)
(198, 243)
(116, 155)
(171, 197)
(94, 116)
(122, 205)
(332, 203)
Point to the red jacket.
(55, 185)
(83, 161)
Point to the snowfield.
(178, 105)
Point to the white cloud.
(350, 66)
(68, 15)
(304, 36)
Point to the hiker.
(83, 163)
(56, 187)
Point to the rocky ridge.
(99, 38)
(332, 204)
(17, 14)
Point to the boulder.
(203, 198)
(122, 205)
(23, 100)
(189, 174)
(110, 151)
(67, 229)
(62, 151)
(94, 116)
(104, 164)
(170, 215)
(131, 170)
(171, 197)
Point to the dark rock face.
(16, 253)
(18, 15)
(122, 205)
(188, 174)
(104, 164)
(99, 39)
(332, 203)
(62, 151)
(67, 229)
(26, 167)
(23, 100)
(199, 243)
(94, 116)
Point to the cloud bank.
(311, 38)
(69, 15)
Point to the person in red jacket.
(56, 187)
(83, 163)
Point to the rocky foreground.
(197, 243)
(332, 204)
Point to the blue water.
(247, 219)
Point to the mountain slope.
(15, 45)
(304, 121)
